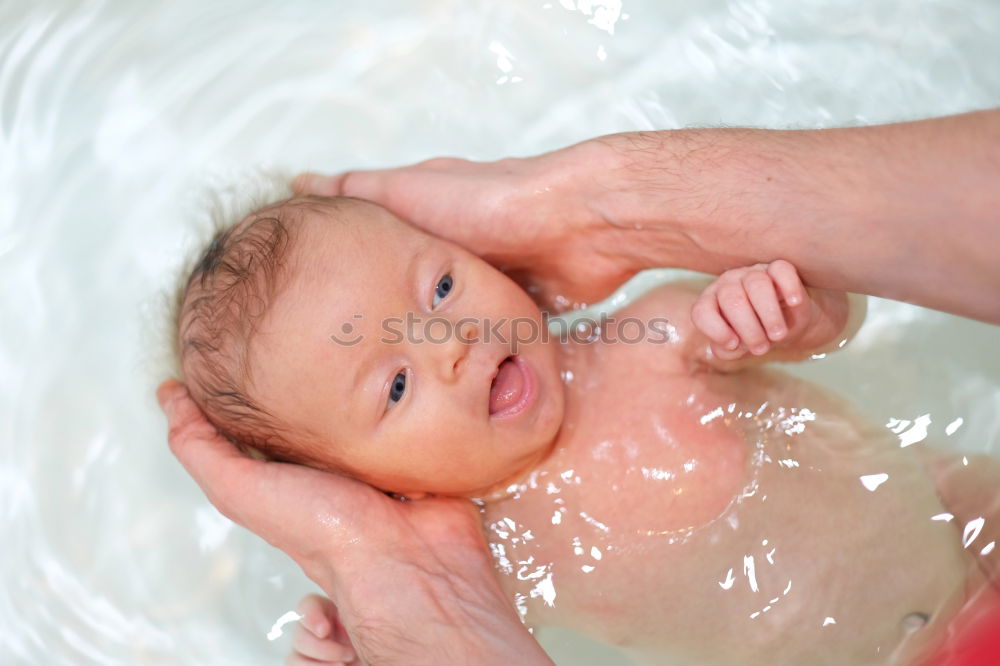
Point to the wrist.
(705, 200)
(446, 614)
(556, 191)
(399, 617)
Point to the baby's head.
(328, 332)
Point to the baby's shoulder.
(664, 314)
(672, 300)
(654, 332)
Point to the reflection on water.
(113, 114)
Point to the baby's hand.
(747, 310)
(320, 638)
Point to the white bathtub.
(114, 115)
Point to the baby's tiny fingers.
(760, 289)
(321, 649)
(299, 660)
(735, 306)
(789, 283)
(706, 316)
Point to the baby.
(645, 481)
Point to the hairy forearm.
(909, 211)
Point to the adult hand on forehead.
(417, 572)
(526, 216)
(856, 209)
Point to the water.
(115, 115)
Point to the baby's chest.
(633, 473)
(663, 514)
(637, 445)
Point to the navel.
(914, 622)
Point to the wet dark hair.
(231, 287)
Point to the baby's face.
(409, 408)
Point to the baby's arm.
(764, 313)
(320, 637)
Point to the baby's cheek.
(443, 436)
(462, 436)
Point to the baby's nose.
(467, 331)
(466, 337)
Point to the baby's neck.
(516, 483)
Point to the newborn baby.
(644, 481)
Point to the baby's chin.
(484, 489)
(482, 479)
(503, 485)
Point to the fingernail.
(315, 183)
(777, 332)
(732, 345)
(349, 655)
(793, 300)
(319, 628)
(166, 403)
(759, 350)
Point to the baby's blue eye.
(397, 389)
(442, 289)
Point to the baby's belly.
(837, 560)
(823, 548)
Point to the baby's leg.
(969, 488)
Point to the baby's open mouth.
(507, 387)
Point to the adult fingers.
(255, 494)
(296, 659)
(318, 614)
(214, 463)
(186, 421)
(320, 649)
(369, 185)
(376, 184)
(310, 514)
